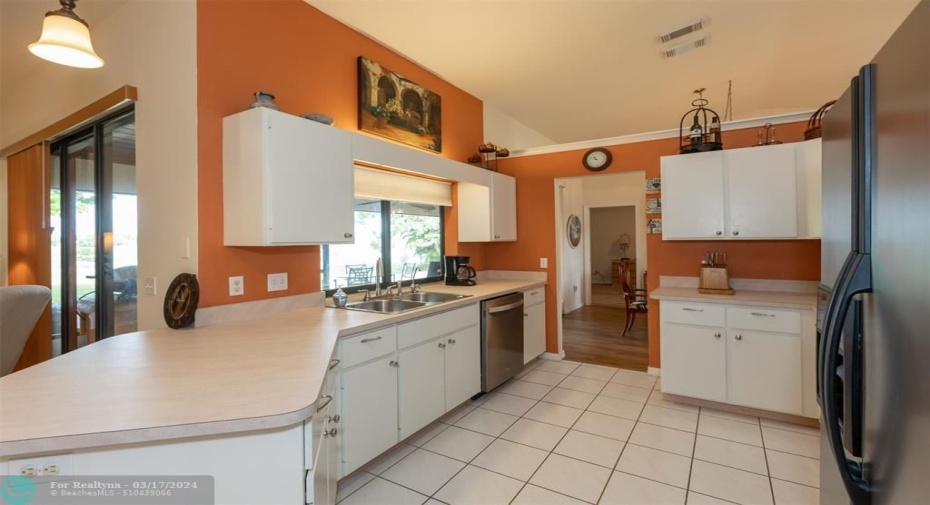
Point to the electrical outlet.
(150, 286)
(543, 262)
(236, 286)
(49, 468)
(277, 282)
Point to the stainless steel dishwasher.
(501, 339)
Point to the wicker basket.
(813, 130)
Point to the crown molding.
(662, 134)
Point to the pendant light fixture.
(65, 39)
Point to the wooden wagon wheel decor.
(181, 300)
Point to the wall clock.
(573, 230)
(597, 159)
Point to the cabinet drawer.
(421, 330)
(370, 345)
(701, 314)
(763, 319)
(534, 296)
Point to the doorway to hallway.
(593, 308)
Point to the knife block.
(715, 281)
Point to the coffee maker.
(459, 272)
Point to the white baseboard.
(554, 356)
(654, 371)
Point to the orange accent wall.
(784, 259)
(309, 61)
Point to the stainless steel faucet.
(379, 273)
(414, 288)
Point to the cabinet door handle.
(526, 315)
(347, 235)
(497, 236)
(328, 400)
(739, 337)
(735, 232)
(717, 335)
(452, 341)
(372, 339)
(719, 233)
(689, 309)
(333, 432)
(762, 314)
(336, 418)
(442, 346)
(333, 363)
(394, 364)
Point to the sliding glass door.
(94, 240)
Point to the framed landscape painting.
(397, 108)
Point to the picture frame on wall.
(397, 108)
(654, 185)
(654, 226)
(573, 230)
(653, 206)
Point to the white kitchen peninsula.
(243, 401)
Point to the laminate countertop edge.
(329, 326)
(781, 299)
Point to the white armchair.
(20, 309)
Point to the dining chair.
(358, 275)
(634, 300)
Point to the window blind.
(385, 185)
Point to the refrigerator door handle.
(838, 288)
(858, 280)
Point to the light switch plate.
(277, 282)
(151, 287)
(543, 262)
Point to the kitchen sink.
(388, 306)
(430, 297)
(403, 303)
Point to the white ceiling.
(583, 69)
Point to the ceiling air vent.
(684, 47)
(682, 31)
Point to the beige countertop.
(165, 384)
(742, 297)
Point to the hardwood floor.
(591, 334)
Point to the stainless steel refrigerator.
(874, 304)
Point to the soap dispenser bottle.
(340, 297)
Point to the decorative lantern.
(699, 129)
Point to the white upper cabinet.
(763, 193)
(286, 180)
(693, 196)
(503, 207)
(769, 192)
(488, 213)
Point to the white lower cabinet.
(368, 399)
(694, 362)
(421, 382)
(462, 366)
(400, 378)
(765, 370)
(534, 324)
(756, 359)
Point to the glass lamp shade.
(66, 41)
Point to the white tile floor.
(565, 433)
